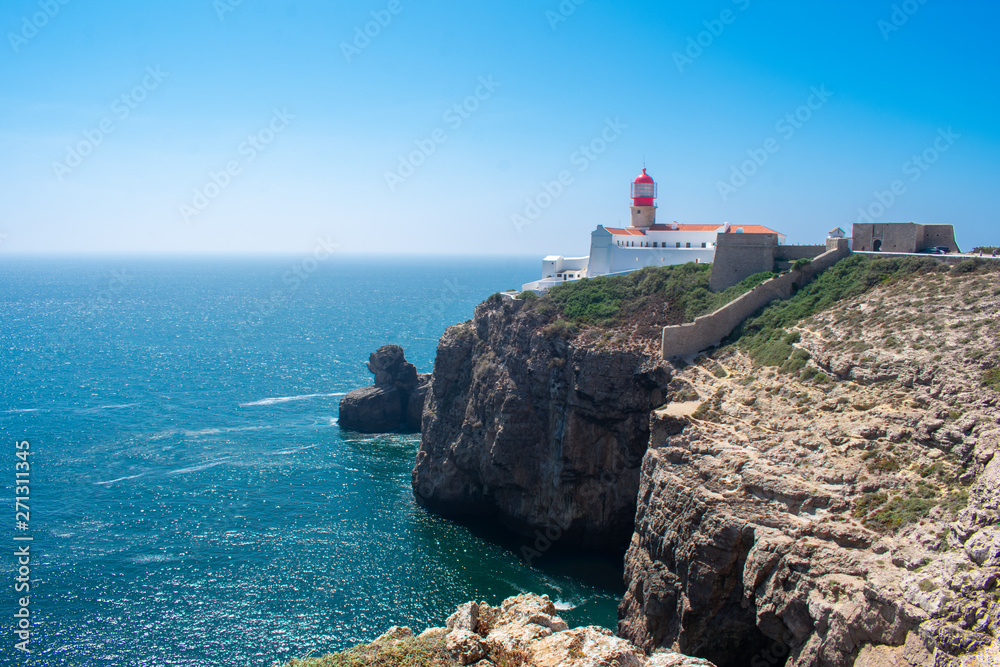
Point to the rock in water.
(394, 403)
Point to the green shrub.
(884, 463)
(991, 378)
(796, 362)
(560, 329)
(801, 264)
(607, 300)
(720, 372)
(527, 295)
(967, 266)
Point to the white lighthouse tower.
(643, 201)
(617, 250)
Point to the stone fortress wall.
(739, 256)
(906, 237)
(709, 330)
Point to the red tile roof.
(747, 229)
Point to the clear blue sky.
(182, 85)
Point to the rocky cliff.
(395, 402)
(539, 425)
(841, 510)
(823, 496)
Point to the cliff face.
(840, 514)
(537, 426)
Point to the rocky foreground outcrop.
(843, 511)
(540, 428)
(525, 630)
(394, 403)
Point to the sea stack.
(394, 403)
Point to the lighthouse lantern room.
(643, 206)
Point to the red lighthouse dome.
(643, 190)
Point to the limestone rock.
(525, 630)
(538, 430)
(467, 647)
(465, 618)
(671, 659)
(523, 619)
(395, 402)
(768, 531)
(585, 647)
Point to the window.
(678, 244)
(688, 245)
(655, 245)
(704, 245)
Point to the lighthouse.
(643, 198)
(617, 250)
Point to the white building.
(643, 243)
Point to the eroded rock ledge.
(525, 630)
(394, 403)
(536, 426)
(843, 513)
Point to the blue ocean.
(193, 500)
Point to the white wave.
(120, 406)
(120, 479)
(224, 429)
(16, 411)
(152, 558)
(286, 399)
(562, 605)
(292, 451)
(197, 468)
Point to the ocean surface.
(193, 500)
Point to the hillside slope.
(826, 492)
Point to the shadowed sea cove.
(193, 499)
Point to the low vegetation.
(409, 652)
(681, 292)
(765, 338)
(991, 378)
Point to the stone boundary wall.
(709, 330)
(790, 253)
